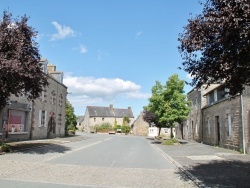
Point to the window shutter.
(42, 96)
(229, 124)
(40, 118)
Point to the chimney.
(51, 68)
(112, 109)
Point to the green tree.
(125, 121)
(115, 123)
(177, 102)
(156, 106)
(70, 117)
(20, 67)
(215, 45)
(168, 104)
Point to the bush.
(105, 127)
(126, 129)
(170, 142)
(5, 147)
(71, 127)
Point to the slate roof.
(80, 119)
(97, 111)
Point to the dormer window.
(44, 63)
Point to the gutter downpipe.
(243, 126)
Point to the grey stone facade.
(42, 118)
(97, 115)
(140, 127)
(220, 120)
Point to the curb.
(197, 182)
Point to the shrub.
(105, 127)
(125, 129)
(170, 142)
(5, 147)
(71, 127)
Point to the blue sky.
(111, 51)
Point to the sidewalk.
(22, 145)
(210, 166)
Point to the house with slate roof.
(79, 121)
(97, 115)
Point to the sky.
(110, 51)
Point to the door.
(217, 122)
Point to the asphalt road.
(100, 160)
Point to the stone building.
(139, 126)
(143, 128)
(191, 128)
(42, 118)
(97, 115)
(221, 120)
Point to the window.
(42, 118)
(53, 98)
(60, 100)
(211, 97)
(59, 120)
(43, 95)
(207, 99)
(16, 121)
(229, 124)
(196, 128)
(215, 95)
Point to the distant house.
(142, 128)
(79, 121)
(97, 115)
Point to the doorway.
(217, 126)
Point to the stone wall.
(140, 127)
(219, 135)
(54, 108)
(90, 122)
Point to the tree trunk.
(181, 130)
(171, 132)
(159, 131)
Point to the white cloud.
(95, 91)
(99, 87)
(62, 31)
(83, 49)
(138, 34)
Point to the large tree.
(20, 68)
(154, 111)
(177, 100)
(215, 45)
(168, 104)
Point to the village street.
(95, 160)
(102, 160)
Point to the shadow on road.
(39, 148)
(222, 174)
